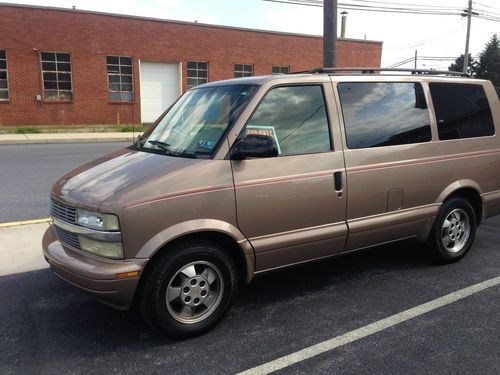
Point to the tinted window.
(462, 111)
(384, 114)
(295, 117)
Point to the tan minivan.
(249, 175)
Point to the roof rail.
(346, 70)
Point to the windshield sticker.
(264, 130)
(207, 145)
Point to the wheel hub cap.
(455, 231)
(194, 291)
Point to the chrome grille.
(67, 237)
(62, 211)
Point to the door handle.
(337, 177)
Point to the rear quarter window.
(462, 111)
(378, 114)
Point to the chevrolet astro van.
(250, 175)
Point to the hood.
(92, 183)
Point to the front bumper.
(92, 274)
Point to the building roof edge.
(93, 12)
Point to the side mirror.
(254, 146)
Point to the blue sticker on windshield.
(208, 145)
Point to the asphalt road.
(49, 327)
(27, 173)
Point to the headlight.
(112, 250)
(95, 220)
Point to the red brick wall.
(90, 37)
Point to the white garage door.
(159, 88)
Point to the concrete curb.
(67, 138)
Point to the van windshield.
(197, 122)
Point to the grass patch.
(27, 131)
(130, 128)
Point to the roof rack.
(373, 70)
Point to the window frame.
(298, 84)
(58, 100)
(243, 71)
(197, 70)
(438, 138)
(428, 102)
(132, 92)
(6, 76)
(280, 67)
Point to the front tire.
(189, 289)
(453, 231)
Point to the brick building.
(71, 67)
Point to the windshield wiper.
(165, 147)
(162, 145)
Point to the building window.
(4, 83)
(378, 114)
(281, 69)
(120, 79)
(56, 72)
(243, 70)
(197, 73)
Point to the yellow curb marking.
(24, 222)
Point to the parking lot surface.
(29, 171)
(49, 327)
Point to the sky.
(402, 34)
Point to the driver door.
(292, 207)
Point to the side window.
(462, 110)
(296, 117)
(380, 114)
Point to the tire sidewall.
(176, 262)
(446, 209)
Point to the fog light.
(111, 250)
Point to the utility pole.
(466, 54)
(330, 33)
(415, 59)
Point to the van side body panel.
(422, 174)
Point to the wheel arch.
(467, 189)
(232, 240)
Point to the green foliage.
(489, 62)
(30, 130)
(130, 128)
(458, 65)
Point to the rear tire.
(453, 231)
(189, 289)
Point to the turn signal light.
(124, 275)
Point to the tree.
(458, 65)
(489, 62)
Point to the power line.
(376, 8)
(427, 40)
(405, 4)
(487, 6)
(489, 18)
